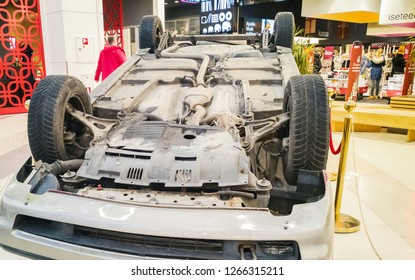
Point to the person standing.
(365, 71)
(110, 58)
(364, 63)
(398, 62)
(317, 62)
(376, 63)
(335, 63)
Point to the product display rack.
(339, 83)
(394, 85)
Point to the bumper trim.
(154, 246)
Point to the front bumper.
(60, 225)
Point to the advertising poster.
(328, 53)
(310, 60)
(267, 24)
(354, 71)
(217, 16)
(253, 25)
(409, 71)
(258, 25)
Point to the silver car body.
(310, 225)
(166, 157)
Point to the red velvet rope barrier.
(332, 149)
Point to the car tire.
(53, 133)
(308, 131)
(150, 31)
(284, 26)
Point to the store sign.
(258, 25)
(217, 16)
(400, 12)
(252, 25)
(324, 34)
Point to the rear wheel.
(308, 131)
(151, 29)
(53, 133)
(284, 26)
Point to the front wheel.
(308, 131)
(53, 133)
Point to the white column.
(72, 37)
(158, 9)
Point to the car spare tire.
(150, 31)
(308, 131)
(284, 28)
(53, 133)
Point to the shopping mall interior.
(376, 169)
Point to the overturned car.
(195, 148)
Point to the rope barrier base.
(346, 224)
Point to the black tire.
(359, 96)
(53, 133)
(150, 31)
(308, 131)
(284, 28)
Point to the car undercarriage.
(191, 149)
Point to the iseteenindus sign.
(399, 12)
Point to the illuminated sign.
(190, 1)
(252, 25)
(217, 16)
(397, 13)
(258, 25)
(267, 24)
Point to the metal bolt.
(263, 183)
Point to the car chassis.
(197, 147)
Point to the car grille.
(155, 246)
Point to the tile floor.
(379, 190)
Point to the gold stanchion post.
(344, 223)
